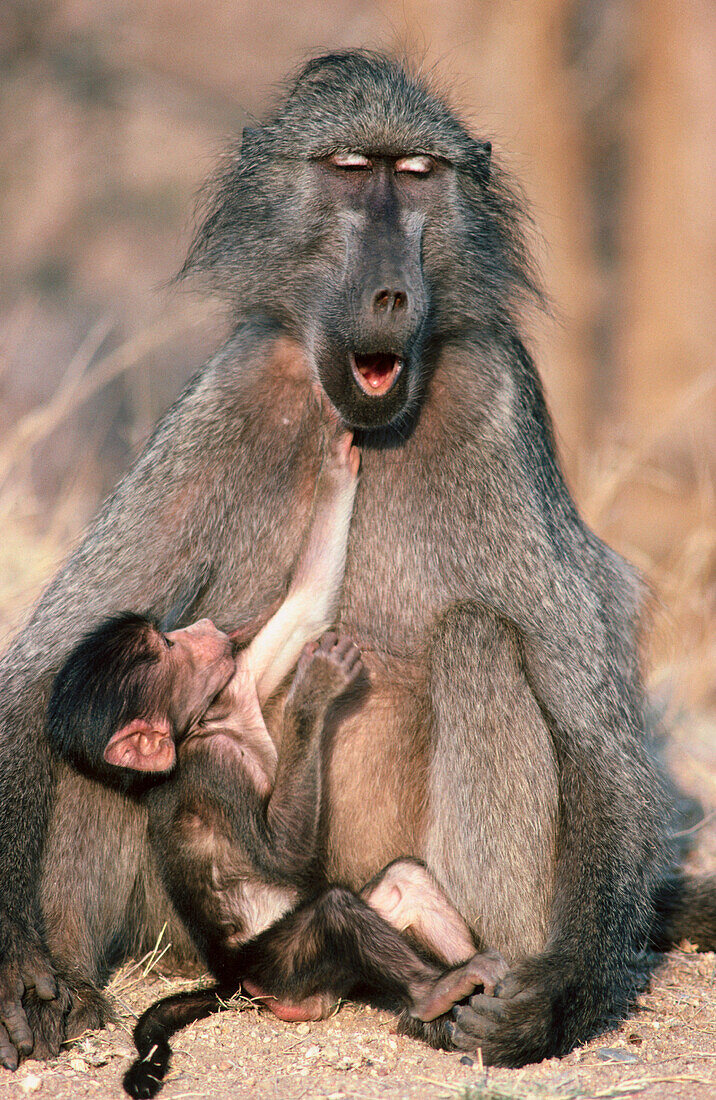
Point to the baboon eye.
(351, 162)
(417, 165)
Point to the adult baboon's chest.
(400, 565)
(404, 542)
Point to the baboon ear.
(480, 157)
(143, 745)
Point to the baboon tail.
(685, 910)
(153, 1031)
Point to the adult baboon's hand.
(538, 1010)
(24, 966)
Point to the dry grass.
(681, 635)
(36, 537)
(664, 1051)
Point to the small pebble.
(303, 1029)
(612, 1054)
(31, 1083)
(78, 1065)
(466, 1060)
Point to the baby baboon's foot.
(483, 971)
(436, 1033)
(541, 1009)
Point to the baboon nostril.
(389, 301)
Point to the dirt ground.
(667, 1048)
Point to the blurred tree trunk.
(670, 220)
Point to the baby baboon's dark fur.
(502, 739)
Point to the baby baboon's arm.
(310, 605)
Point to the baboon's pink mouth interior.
(375, 374)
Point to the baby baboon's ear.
(143, 745)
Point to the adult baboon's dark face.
(371, 325)
(366, 221)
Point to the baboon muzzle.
(368, 352)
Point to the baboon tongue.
(375, 374)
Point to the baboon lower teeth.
(376, 374)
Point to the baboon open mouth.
(376, 374)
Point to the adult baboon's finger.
(43, 982)
(15, 1026)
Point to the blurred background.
(112, 112)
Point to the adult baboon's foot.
(47, 1021)
(78, 1007)
(542, 1009)
(90, 1011)
(26, 976)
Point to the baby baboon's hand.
(326, 669)
(340, 452)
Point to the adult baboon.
(369, 246)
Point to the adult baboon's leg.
(540, 838)
(493, 783)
